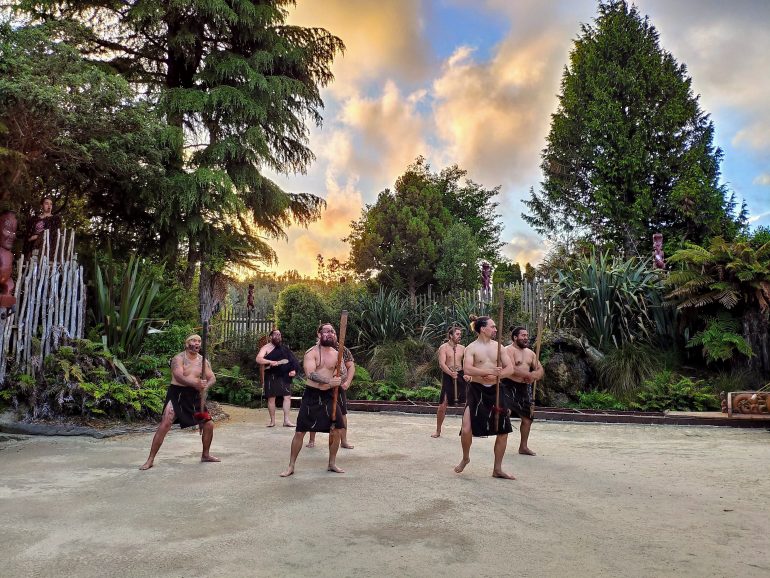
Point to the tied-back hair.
(478, 322)
(516, 330)
(452, 329)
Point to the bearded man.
(280, 368)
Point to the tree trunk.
(192, 261)
(756, 331)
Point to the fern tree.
(239, 85)
(727, 276)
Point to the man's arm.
(468, 360)
(442, 351)
(261, 357)
(536, 370)
(310, 365)
(507, 364)
(350, 366)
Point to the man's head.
(46, 204)
(454, 334)
(520, 337)
(326, 335)
(8, 225)
(192, 343)
(484, 326)
(275, 337)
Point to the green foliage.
(167, 342)
(506, 273)
(624, 368)
(610, 301)
(458, 255)
(298, 312)
(670, 391)
(598, 400)
(237, 87)
(402, 363)
(235, 387)
(125, 298)
(629, 152)
(96, 145)
(400, 237)
(719, 339)
(85, 380)
(385, 317)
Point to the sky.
(474, 82)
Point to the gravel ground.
(598, 500)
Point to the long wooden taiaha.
(538, 343)
(499, 358)
(340, 360)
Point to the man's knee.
(208, 426)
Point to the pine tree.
(630, 152)
(238, 84)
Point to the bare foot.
(436, 435)
(310, 445)
(502, 474)
(526, 452)
(335, 469)
(210, 458)
(461, 466)
(146, 465)
(270, 425)
(289, 424)
(288, 472)
(347, 446)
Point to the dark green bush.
(670, 391)
(598, 400)
(298, 311)
(168, 342)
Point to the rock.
(566, 373)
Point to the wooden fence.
(236, 325)
(50, 305)
(534, 300)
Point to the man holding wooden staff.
(518, 389)
(189, 379)
(326, 369)
(486, 363)
(453, 383)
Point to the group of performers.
(492, 382)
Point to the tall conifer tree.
(630, 152)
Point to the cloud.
(382, 39)
(343, 205)
(525, 248)
(390, 132)
(759, 217)
(763, 179)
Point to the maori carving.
(745, 402)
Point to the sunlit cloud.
(763, 179)
(525, 248)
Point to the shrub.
(84, 379)
(624, 368)
(234, 387)
(298, 311)
(719, 339)
(670, 391)
(167, 342)
(598, 400)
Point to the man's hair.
(451, 330)
(273, 330)
(478, 322)
(322, 325)
(43, 199)
(191, 337)
(516, 330)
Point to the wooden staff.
(340, 358)
(498, 409)
(538, 343)
(203, 415)
(454, 368)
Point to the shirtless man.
(480, 363)
(453, 386)
(518, 389)
(349, 366)
(183, 400)
(320, 363)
